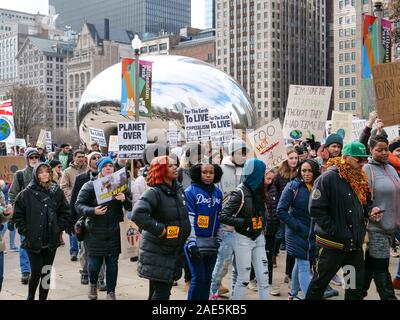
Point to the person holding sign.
(245, 211)
(162, 215)
(102, 235)
(300, 235)
(204, 203)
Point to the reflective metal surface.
(178, 82)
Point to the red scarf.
(395, 162)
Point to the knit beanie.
(333, 138)
(102, 162)
(54, 163)
(30, 152)
(90, 155)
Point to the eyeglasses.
(33, 157)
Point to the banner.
(387, 84)
(221, 129)
(172, 137)
(9, 165)
(197, 124)
(7, 128)
(306, 112)
(97, 135)
(342, 124)
(130, 239)
(108, 187)
(41, 141)
(49, 146)
(268, 144)
(113, 144)
(128, 87)
(132, 140)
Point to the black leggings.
(41, 264)
(159, 290)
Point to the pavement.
(129, 285)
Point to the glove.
(311, 142)
(11, 226)
(194, 252)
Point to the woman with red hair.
(162, 215)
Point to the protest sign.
(306, 112)
(130, 238)
(108, 187)
(113, 144)
(342, 121)
(48, 141)
(41, 141)
(197, 124)
(387, 84)
(172, 137)
(220, 129)
(132, 139)
(97, 135)
(9, 165)
(20, 143)
(358, 128)
(268, 144)
(7, 129)
(392, 132)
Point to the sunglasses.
(95, 158)
(33, 157)
(59, 166)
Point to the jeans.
(159, 290)
(1, 269)
(301, 277)
(247, 252)
(224, 258)
(95, 263)
(279, 236)
(398, 270)
(201, 271)
(83, 261)
(73, 245)
(23, 259)
(41, 264)
(12, 235)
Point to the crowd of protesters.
(203, 214)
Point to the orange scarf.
(357, 179)
(395, 162)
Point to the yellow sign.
(257, 223)
(172, 232)
(202, 222)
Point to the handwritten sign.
(172, 137)
(220, 129)
(268, 144)
(342, 121)
(113, 144)
(358, 128)
(41, 141)
(306, 112)
(392, 132)
(197, 124)
(9, 166)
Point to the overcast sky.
(33, 6)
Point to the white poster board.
(197, 124)
(113, 144)
(268, 144)
(342, 121)
(97, 135)
(358, 128)
(392, 132)
(7, 128)
(132, 140)
(172, 137)
(48, 141)
(306, 112)
(221, 129)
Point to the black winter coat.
(161, 207)
(243, 219)
(273, 221)
(41, 215)
(102, 234)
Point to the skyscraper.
(268, 45)
(139, 16)
(209, 14)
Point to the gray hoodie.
(384, 183)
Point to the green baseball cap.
(354, 149)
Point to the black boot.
(368, 273)
(383, 282)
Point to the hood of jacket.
(228, 161)
(253, 173)
(35, 183)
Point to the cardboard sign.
(41, 141)
(342, 121)
(9, 166)
(268, 144)
(197, 124)
(108, 187)
(132, 140)
(7, 128)
(387, 92)
(221, 129)
(97, 135)
(172, 137)
(113, 144)
(306, 112)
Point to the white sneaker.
(337, 280)
(275, 291)
(253, 285)
(395, 252)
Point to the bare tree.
(30, 110)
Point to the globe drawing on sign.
(296, 134)
(5, 129)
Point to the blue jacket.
(204, 208)
(293, 211)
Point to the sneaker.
(215, 296)
(92, 292)
(25, 277)
(330, 292)
(84, 279)
(222, 290)
(286, 280)
(134, 259)
(337, 280)
(394, 252)
(74, 258)
(275, 291)
(13, 249)
(253, 285)
(101, 284)
(111, 296)
(293, 297)
(396, 283)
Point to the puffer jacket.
(384, 183)
(293, 211)
(272, 219)
(102, 234)
(162, 207)
(41, 215)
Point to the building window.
(353, 106)
(163, 46)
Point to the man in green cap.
(340, 205)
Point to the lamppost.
(378, 12)
(136, 45)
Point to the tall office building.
(268, 45)
(209, 14)
(140, 16)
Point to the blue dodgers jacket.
(204, 208)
